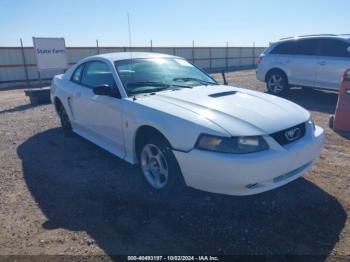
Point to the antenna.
(131, 65)
(130, 45)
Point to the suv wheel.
(277, 83)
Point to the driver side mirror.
(103, 90)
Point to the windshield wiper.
(160, 86)
(151, 90)
(148, 83)
(194, 79)
(184, 86)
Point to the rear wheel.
(65, 122)
(160, 167)
(277, 83)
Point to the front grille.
(283, 138)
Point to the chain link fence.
(18, 64)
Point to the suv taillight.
(346, 77)
(259, 59)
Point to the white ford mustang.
(182, 127)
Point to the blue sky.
(175, 22)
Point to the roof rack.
(301, 36)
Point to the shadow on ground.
(344, 134)
(19, 108)
(314, 100)
(81, 187)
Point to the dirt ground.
(67, 196)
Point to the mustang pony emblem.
(292, 134)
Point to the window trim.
(81, 75)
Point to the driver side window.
(97, 73)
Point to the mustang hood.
(238, 111)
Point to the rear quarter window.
(297, 47)
(281, 49)
(76, 77)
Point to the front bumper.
(252, 173)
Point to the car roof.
(287, 39)
(131, 55)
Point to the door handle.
(322, 63)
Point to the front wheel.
(160, 167)
(277, 83)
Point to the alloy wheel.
(154, 166)
(276, 84)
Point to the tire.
(277, 83)
(160, 168)
(331, 121)
(65, 122)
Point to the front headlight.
(233, 145)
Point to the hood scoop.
(228, 93)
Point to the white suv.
(316, 61)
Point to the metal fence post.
(240, 57)
(210, 59)
(193, 51)
(40, 80)
(226, 56)
(24, 63)
(253, 56)
(194, 54)
(97, 47)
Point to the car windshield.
(150, 75)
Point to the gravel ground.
(67, 196)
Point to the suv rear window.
(297, 47)
(283, 48)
